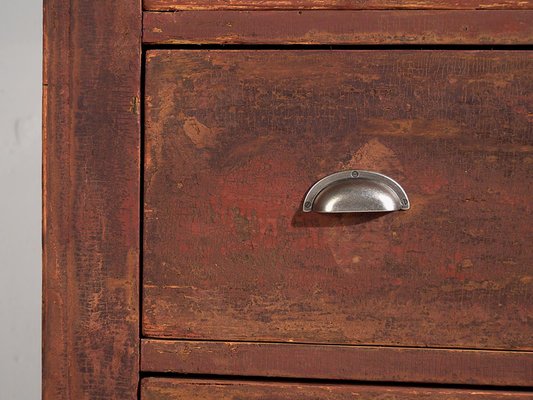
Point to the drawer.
(235, 138)
(177, 389)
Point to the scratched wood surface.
(356, 363)
(339, 27)
(235, 138)
(178, 389)
(91, 140)
(166, 5)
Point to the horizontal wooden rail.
(340, 27)
(172, 5)
(209, 389)
(394, 364)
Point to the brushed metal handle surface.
(355, 191)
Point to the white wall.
(20, 199)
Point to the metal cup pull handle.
(355, 191)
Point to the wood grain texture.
(168, 5)
(178, 389)
(235, 138)
(391, 364)
(339, 27)
(91, 195)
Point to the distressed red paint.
(177, 389)
(165, 5)
(229, 254)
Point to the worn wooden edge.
(361, 363)
(91, 164)
(340, 27)
(180, 388)
(173, 5)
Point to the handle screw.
(355, 174)
(307, 204)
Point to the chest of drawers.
(180, 138)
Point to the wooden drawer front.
(177, 389)
(233, 140)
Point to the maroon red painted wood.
(236, 280)
(354, 363)
(177, 5)
(340, 27)
(174, 389)
(235, 138)
(91, 137)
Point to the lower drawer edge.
(355, 363)
(201, 389)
